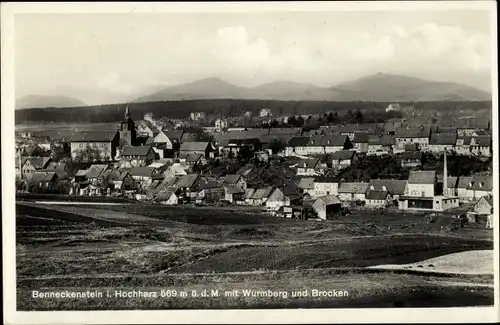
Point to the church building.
(127, 129)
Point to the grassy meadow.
(153, 248)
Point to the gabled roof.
(482, 140)
(166, 194)
(142, 171)
(464, 181)
(443, 139)
(377, 195)
(329, 200)
(43, 176)
(232, 179)
(38, 162)
(298, 142)
(465, 140)
(82, 172)
(414, 132)
(261, 193)
(354, 188)
(174, 135)
(488, 199)
(308, 163)
(136, 150)
(249, 193)
(360, 137)
(384, 140)
(209, 185)
(343, 155)
(94, 136)
(56, 166)
(191, 157)
(244, 142)
(306, 183)
(452, 181)
(422, 177)
(331, 140)
(95, 171)
(194, 146)
(233, 189)
(482, 183)
(187, 181)
(394, 186)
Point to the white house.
(310, 167)
(421, 183)
(324, 186)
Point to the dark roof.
(232, 179)
(194, 146)
(464, 181)
(142, 171)
(360, 137)
(482, 140)
(452, 181)
(43, 177)
(298, 142)
(94, 136)
(343, 155)
(422, 177)
(325, 179)
(414, 155)
(308, 163)
(376, 195)
(187, 181)
(446, 129)
(331, 140)
(392, 185)
(443, 139)
(244, 142)
(136, 150)
(356, 188)
(384, 140)
(413, 132)
(412, 147)
(175, 135)
(209, 184)
(95, 171)
(39, 162)
(481, 183)
(233, 189)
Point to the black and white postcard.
(254, 162)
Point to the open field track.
(190, 248)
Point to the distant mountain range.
(38, 101)
(378, 87)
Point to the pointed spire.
(127, 112)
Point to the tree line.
(217, 107)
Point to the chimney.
(445, 174)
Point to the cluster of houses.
(157, 164)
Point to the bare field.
(148, 246)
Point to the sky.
(109, 58)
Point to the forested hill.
(229, 107)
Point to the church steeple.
(127, 113)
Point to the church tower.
(127, 129)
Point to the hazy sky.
(108, 58)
